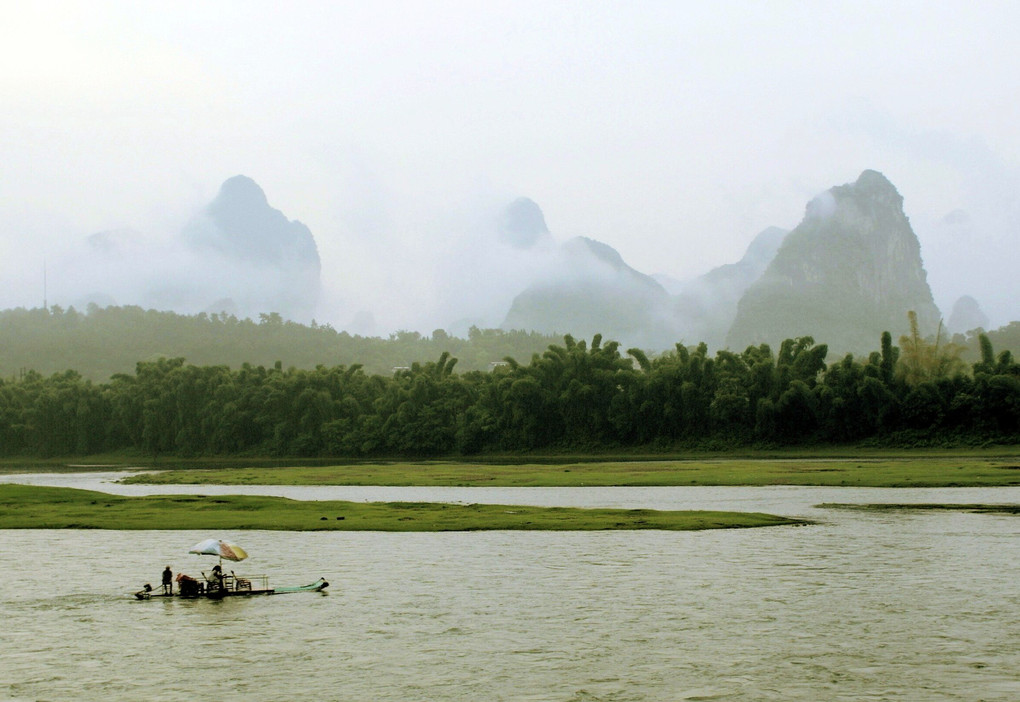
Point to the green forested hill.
(101, 342)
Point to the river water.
(898, 605)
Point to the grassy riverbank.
(29, 507)
(919, 471)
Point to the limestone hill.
(849, 271)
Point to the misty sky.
(672, 131)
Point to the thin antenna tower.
(45, 306)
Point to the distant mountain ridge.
(849, 271)
(589, 289)
(237, 255)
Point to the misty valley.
(815, 310)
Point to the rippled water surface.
(862, 606)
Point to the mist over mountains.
(851, 269)
(237, 255)
(271, 263)
(588, 290)
(708, 304)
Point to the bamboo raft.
(231, 585)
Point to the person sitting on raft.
(216, 579)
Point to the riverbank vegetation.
(572, 398)
(30, 507)
(928, 471)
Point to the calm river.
(863, 606)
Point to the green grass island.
(32, 507)
(39, 507)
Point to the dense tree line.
(572, 396)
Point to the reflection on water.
(894, 605)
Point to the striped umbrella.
(219, 548)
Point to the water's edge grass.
(923, 471)
(948, 507)
(126, 460)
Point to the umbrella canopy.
(219, 548)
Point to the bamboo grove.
(575, 396)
